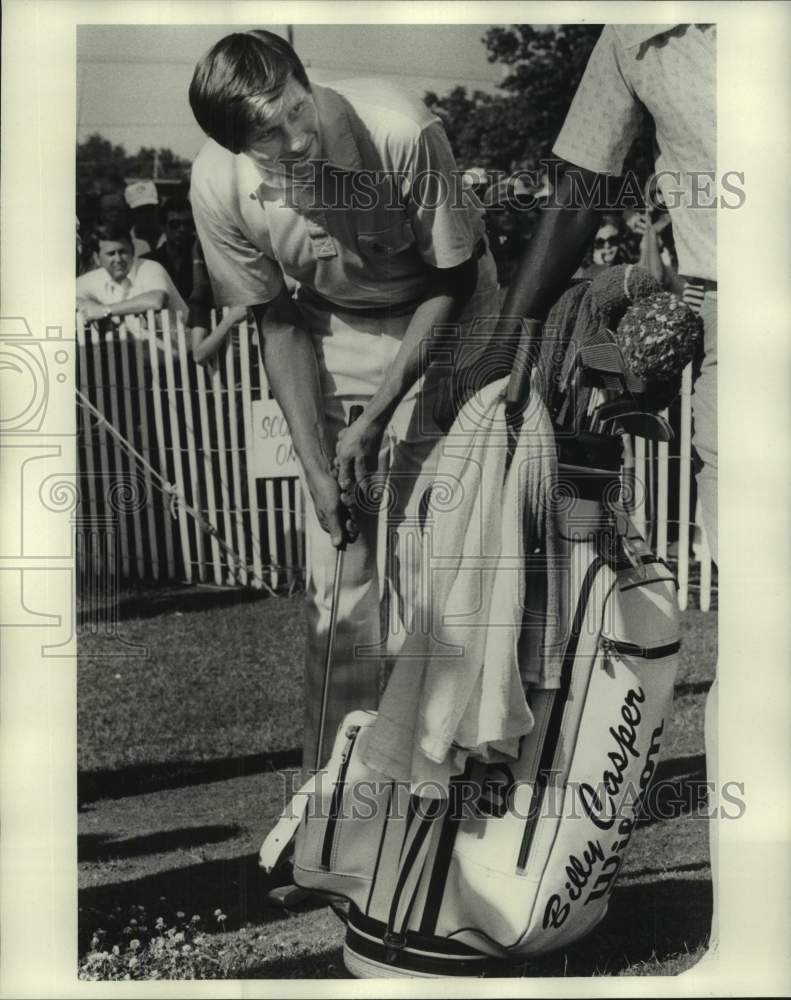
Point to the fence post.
(159, 425)
(222, 459)
(175, 438)
(85, 441)
(269, 492)
(247, 411)
(663, 489)
(641, 485)
(104, 448)
(138, 347)
(233, 433)
(299, 497)
(137, 522)
(122, 521)
(192, 457)
(208, 471)
(685, 475)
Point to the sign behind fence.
(273, 450)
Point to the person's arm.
(556, 249)
(93, 311)
(292, 369)
(201, 300)
(205, 345)
(446, 237)
(448, 292)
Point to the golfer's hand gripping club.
(348, 523)
(336, 590)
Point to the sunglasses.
(605, 241)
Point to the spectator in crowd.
(175, 254)
(635, 225)
(114, 212)
(608, 242)
(122, 286)
(143, 202)
(607, 247)
(373, 281)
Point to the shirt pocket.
(382, 245)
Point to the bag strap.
(414, 852)
(279, 838)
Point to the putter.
(290, 896)
(354, 413)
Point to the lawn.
(187, 749)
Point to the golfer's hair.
(235, 80)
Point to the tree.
(99, 162)
(516, 129)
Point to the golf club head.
(650, 426)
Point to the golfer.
(351, 193)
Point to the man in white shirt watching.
(123, 286)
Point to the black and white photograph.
(378, 413)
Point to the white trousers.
(380, 570)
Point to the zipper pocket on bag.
(337, 799)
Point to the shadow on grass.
(678, 789)
(691, 687)
(236, 886)
(153, 602)
(321, 965)
(103, 847)
(649, 922)
(646, 922)
(138, 779)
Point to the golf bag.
(520, 858)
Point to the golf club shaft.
(354, 413)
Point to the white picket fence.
(149, 411)
(194, 428)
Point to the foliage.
(174, 948)
(99, 161)
(516, 128)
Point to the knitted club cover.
(658, 336)
(614, 289)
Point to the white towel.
(455, 688)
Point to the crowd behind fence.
(178, 447)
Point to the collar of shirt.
(119, 290)
(338, 145)
(633, 35)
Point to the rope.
(176, 500)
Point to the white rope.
(175, 498)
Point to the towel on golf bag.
(456, 688)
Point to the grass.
(185, 759)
